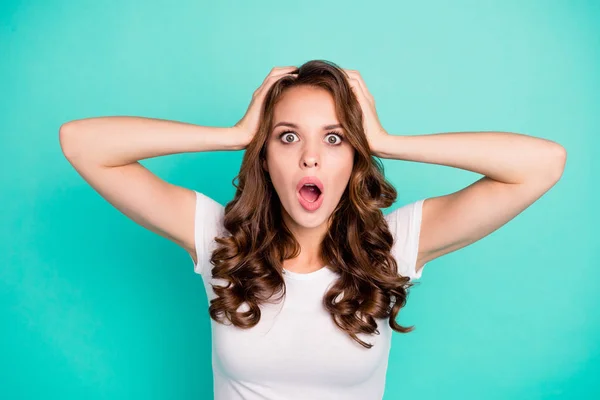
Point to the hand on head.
(248, 125)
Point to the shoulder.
(405, 217)
(208, 224)
(404, 224)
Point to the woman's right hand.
(247, 127)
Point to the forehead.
(305, 105)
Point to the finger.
(363, 86)
(269, 81)
(284, 68)
(360, 94)
(281, 70)
(278, 71)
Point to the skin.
(311, 151)
(517, 169)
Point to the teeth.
(312, 185)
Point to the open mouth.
(310, 197)
(310, 192)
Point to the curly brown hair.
(357, 245)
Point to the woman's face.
(310, 148)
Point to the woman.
(304, 274)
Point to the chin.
(308, 219)
(310, 223)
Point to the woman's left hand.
(375, 133)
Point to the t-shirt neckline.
(305, 276)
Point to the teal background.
(93, 306)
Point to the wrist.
(239, 137)
(381, 145)
(232, 138)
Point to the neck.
(310, 240)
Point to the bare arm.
(105, 151)
(518, 169)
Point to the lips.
(310, 179)
(310, 205)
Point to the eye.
(339, 135)
(288, 137)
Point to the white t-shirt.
(296, 351)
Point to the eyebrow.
(292, 125)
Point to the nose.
(310, 155)
(310, 158)
(309, 162)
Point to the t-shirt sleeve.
(208, 224)
(405, 226)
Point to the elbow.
(548, 168)
(66, 138)
(557, 160)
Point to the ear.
(265, 166)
